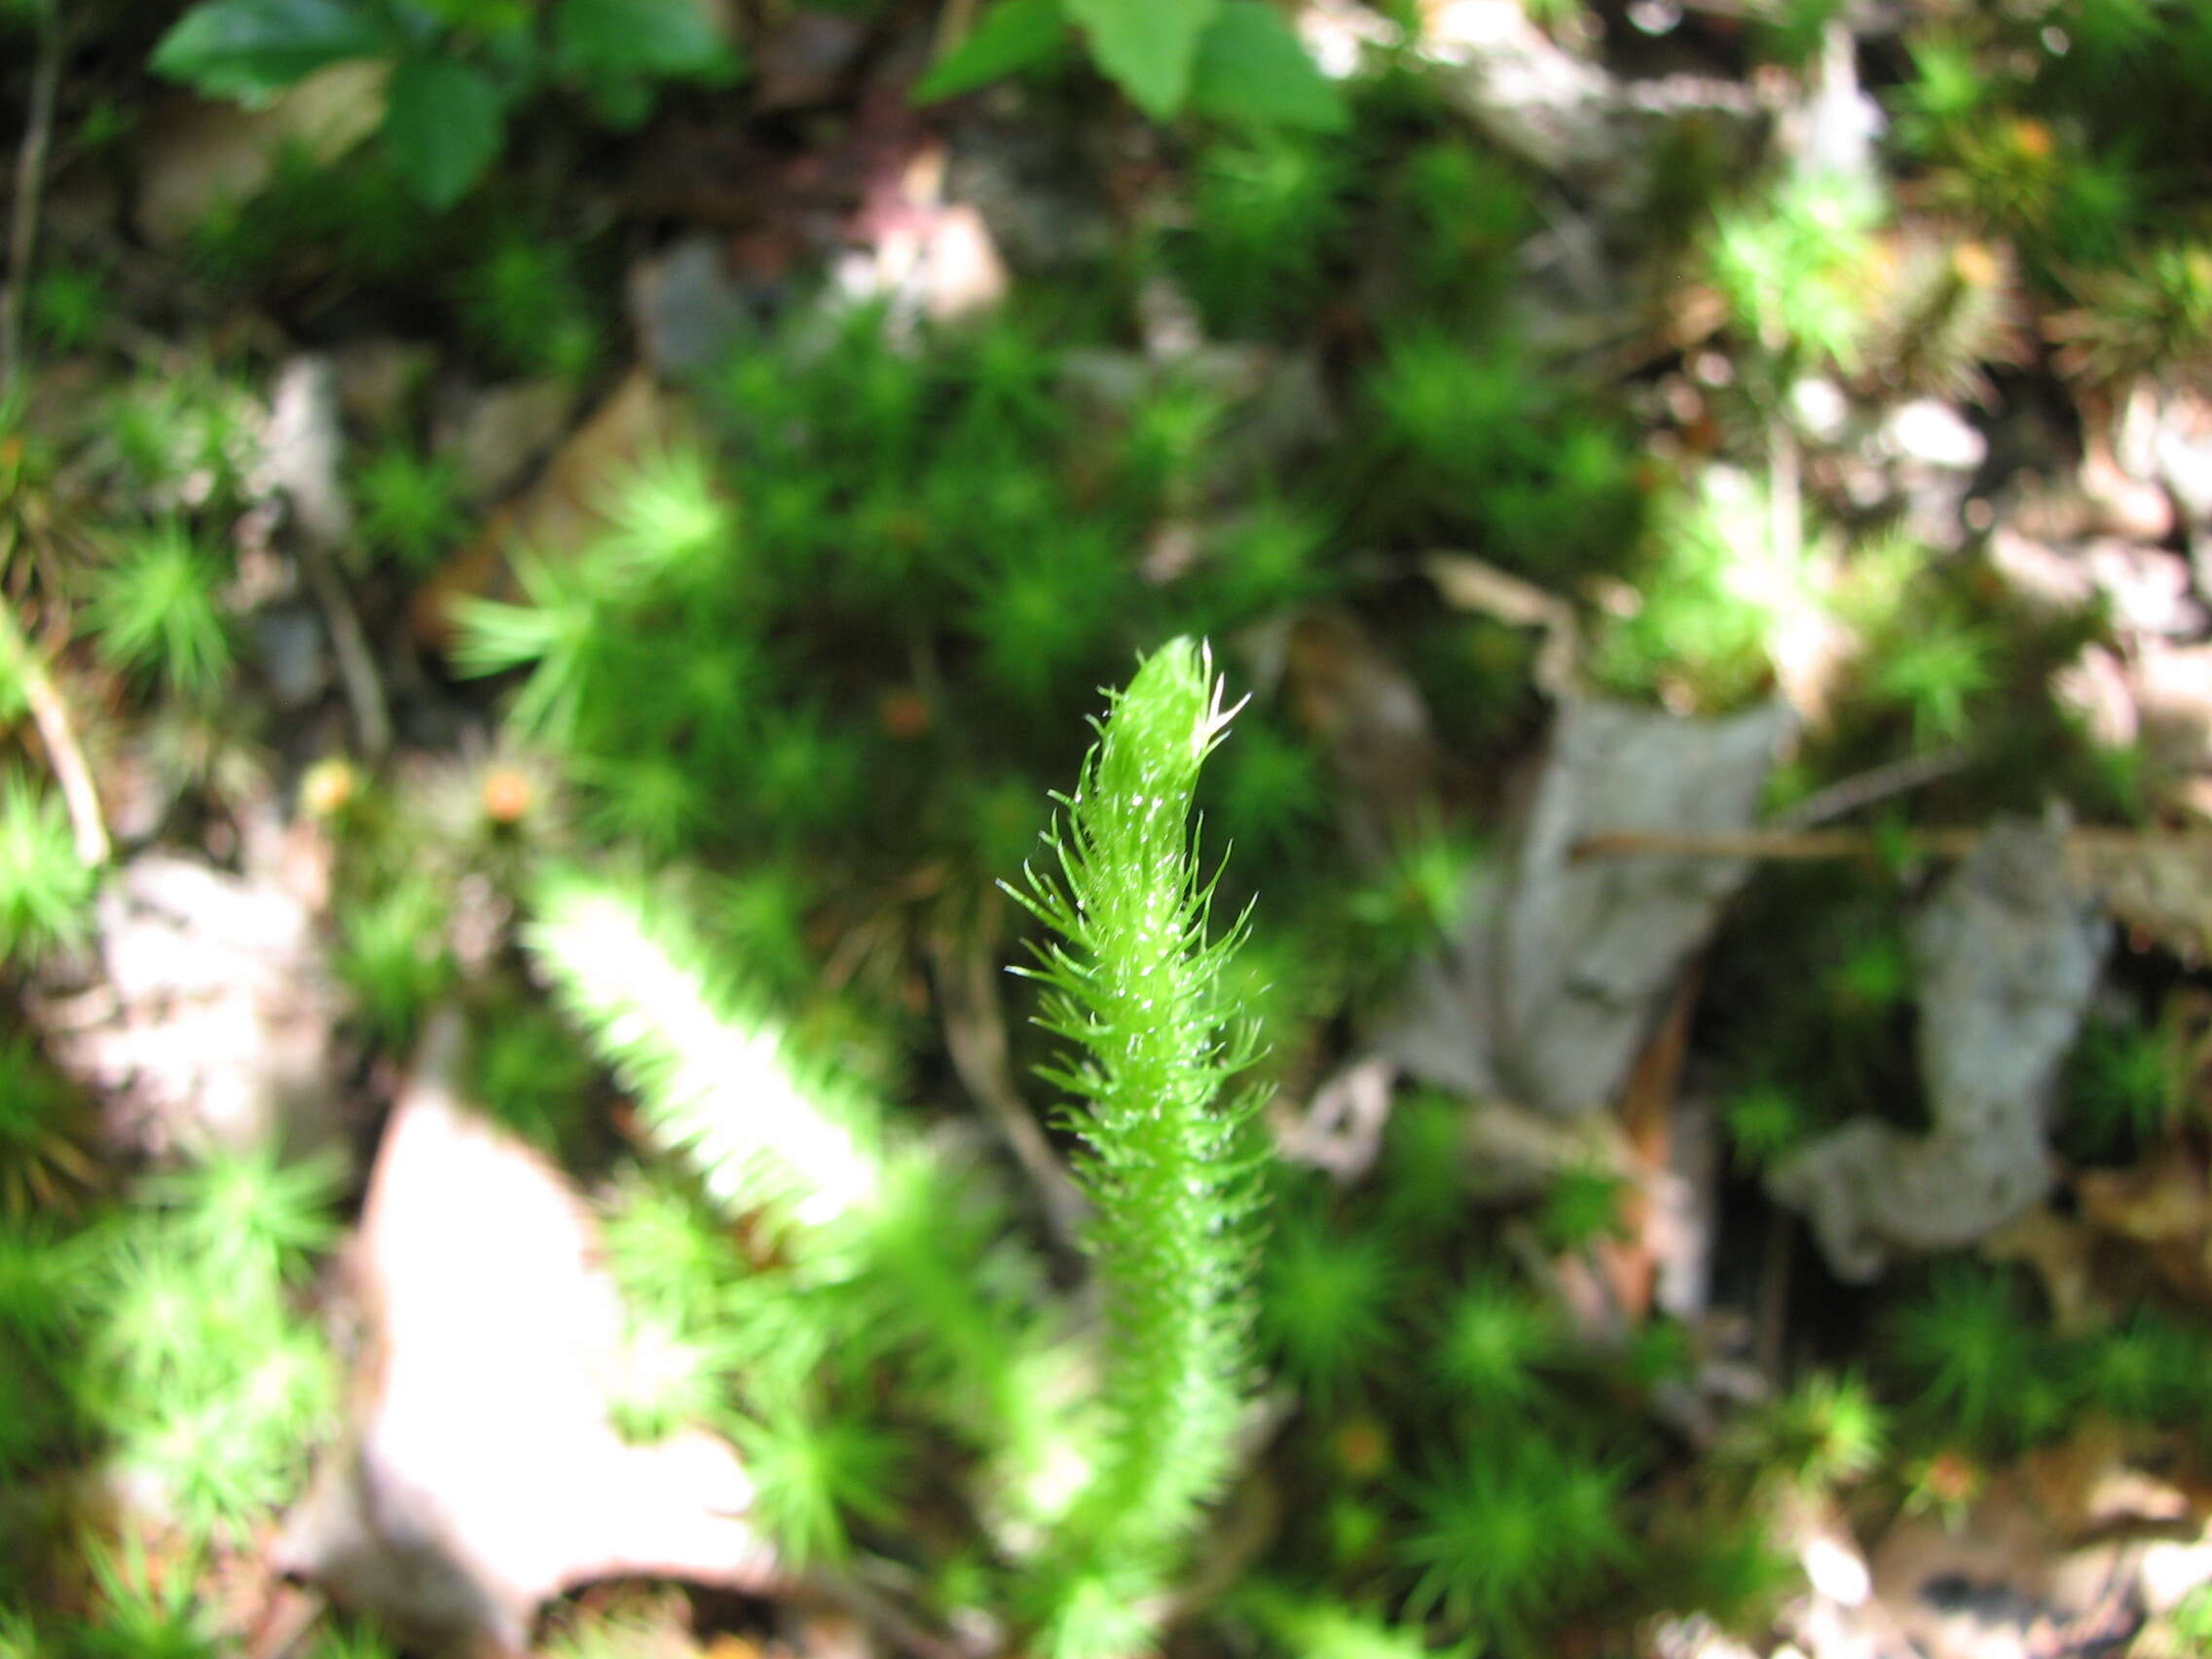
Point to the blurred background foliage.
(1756, 374)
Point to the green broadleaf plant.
(1232, 61)
(1135, 984)
(443, 122)
(253, 49)
(598, 38)
(1014, 35)
(1251, 70)
(457, 74)
(1146, 48)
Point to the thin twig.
(1227, 1552)
(1806, 846)
(1475, 584)
(30, 182)
(1786, 510)
(887, 1613)
(303, 446)
(975, 1036)
(356, 665)
(67, 759)
(1775, 1270)
(1881, 782)
(953, 26)
(58, 736)
(1772, 847)
(281, 1631)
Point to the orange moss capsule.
(329, 787)
(904, 713)
(1975, 265)
(508, 794)
(1363, 1449)
(2032, 139)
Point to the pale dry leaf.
(1469, 583)
(2043, 1562)
(195, 156)
(483, 1473)
(2158, 887)
(2061, 1252)
(493, 435)
(1552, 983)
(2006, 956)
(2163, 1206)
(211, 1019)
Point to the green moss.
(155, 608)
(814, 1474)
(2127, 1083)
(1510, 1533)
(409, 504)
(1491, 1338)
(1826, 1432)
(1583, 1207)
(1970, 1351)
(141, 1613)
(68, 307)
(196, 1370)
(1765, 1122)
(1714, 595)
(532, 1076)
(45, 1163)
(1410, 904)
(523, 304)
(1265, 215)
(45, 887)
(1792, 268)
(1325, 1300)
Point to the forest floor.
(1711, 506)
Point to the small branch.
(1804, 846)
(30, 180)
(887, 1613)
(1340, 1132)
(281, 1631)
(975, 1036)
(67, 759)
(1473, 584)
(953, 25)
(1786, 510)
(1840, 799)
(1775, 1267)
(1771, 846)
(1227, 1552)
(51, 714)
(356, 665)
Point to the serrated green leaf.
(1251, 69)
(442, 123)
(1148, 48)
(1012, 36)
(253, 48)
(615, 39)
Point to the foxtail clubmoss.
(1133, 982)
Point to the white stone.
(1934, 432)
